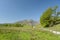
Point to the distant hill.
(28, 22)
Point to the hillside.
(28, 22)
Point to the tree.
(58, 15)
(44, 20)
(50, 17)
(58, 18)
(53, 16)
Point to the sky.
(16, 10)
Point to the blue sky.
(16, 10)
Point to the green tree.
(44, 20)
(53, 17)
(50, 17)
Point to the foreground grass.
(26, 34)
(55, 27)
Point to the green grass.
(55, 27)
(8, 35)
(26, 34)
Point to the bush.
(17, 25)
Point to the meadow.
(55, 27)
(24, 33)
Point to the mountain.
(28, 22)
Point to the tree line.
(11, 25)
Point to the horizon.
(17, 10)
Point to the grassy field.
(55, 27)
(19, 33)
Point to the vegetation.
(11, 25)
(50, 17)
(55, 27)
(22, 30)
(20, 23)
(44, 20)
(27, 34)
